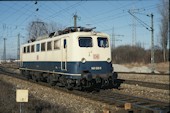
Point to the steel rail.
(144, 84)
(161, 73)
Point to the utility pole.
(150, 28)
(114, 38)
(152, 44)
(4, 50)
(75, 20)
(132, 11)
(18, 48)
(133, 31)
(75, 16)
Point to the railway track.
(132, 103)
(144, 84)
(129, 103)
(161, 73)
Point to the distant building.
(8, 61)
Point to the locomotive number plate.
(96, 68)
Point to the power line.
(114, 39)
(54, 15)
(111, 19)
(112, 10)
(22, 15)
(140, 21)
(14, 13)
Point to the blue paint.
(97, 67)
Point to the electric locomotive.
(76, 57)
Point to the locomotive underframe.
(85, 81)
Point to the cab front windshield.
(102, 42)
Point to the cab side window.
(57, 44)
(37, 47)
(43, 46)
(49, 46)
(32, 48)
(85, 42)
(24, 50)
(28, 49)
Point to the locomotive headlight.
(108, 60)
(83, 60)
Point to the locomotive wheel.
(26, 74)
(81, 88)
(97, 87)
(70, 84)
(34, 77)
(50, 80)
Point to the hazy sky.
(104, 15)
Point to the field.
(8, 102)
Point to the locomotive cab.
(94, 54)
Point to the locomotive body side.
(74, 57)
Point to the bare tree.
(164, 12)
(39, 28)
(53, 26)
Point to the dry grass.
(131, 65)
(8, 102)
(161, 67)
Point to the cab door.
(64, 54)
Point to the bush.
(135, 54)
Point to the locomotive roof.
(67, 31)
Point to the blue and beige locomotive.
(74, 58)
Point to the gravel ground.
(76, 104)
(70, 103)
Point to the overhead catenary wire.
(147, 7)
(140, 21)
(63, 13)
(54, 15)
(14, 13)
(112, 10)
(22, 15)
(99, 14)
(150, 6)
(50, 11)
